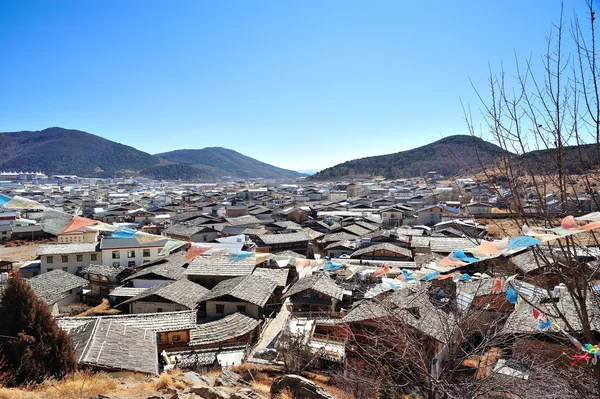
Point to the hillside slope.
(64, 151)
(218, 161)
(440, 156)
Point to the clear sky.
(298, 84)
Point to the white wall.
(72, 264)
(124, 260)
(152, 307)
(141, 283)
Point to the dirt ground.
(20, 254)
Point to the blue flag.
(512, 296)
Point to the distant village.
(149, 275)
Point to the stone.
(266, 354)
(212, 392)
(156, 397)
(300, 387)
(100, 396)
(246, 393)
(230, 379)
(198, 380)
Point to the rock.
(246, 393)
(230, 379)
(266, 354)
(198, 380)
(212, 392)
(300, 387)
(100, 396)
(156, 397)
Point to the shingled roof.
(53, 286)
(253, 289)
(220, 265)
(278, 276)
(231, 326)
(274, 239)
(103, 270)
(67, 249)
(385, 246)
(108, 344)
(317, 282)
(157, 322)
(243, 220)
(182, 292)
(170, 267)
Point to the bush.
(34, 347)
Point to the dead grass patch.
(82, 384)
(171, 379)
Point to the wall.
(152, 307)
(141, 283)
(205, 237)
(123, 260)
(72, 265)
(231, 307)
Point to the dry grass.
(102, 309)
(171, 379)
(284, 394)
(20, 254)
(83, 384)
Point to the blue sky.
(298, 84)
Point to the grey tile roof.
(182, 292)
(273, 239)
(290, 254)
(365, 310)
(527, 262)
(385, 246)
(51, 287)
(356, 230)
(70, 248)
(243, 220)
(121, 243)
(185, 229)
(108, 344)
(219, 265)
(278, 276)
(449, 244)
(171, 267)
(129, 292)
(339, 237)
(102, 270)
(253, 289)
(317, 282)
(157, 322)
(229, 327)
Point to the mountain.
(446, 156)
(218, 161)
(63, 151)
(308, 171)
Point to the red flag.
(497, 286)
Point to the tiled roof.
(127, 291)
(182, 292)
(253, 289)
(170, 267)
(449, 244)
(66, 249)
(365, 310)
(51, 287)
(356, 230)
(119, 243)
(220, 265)
(278, 276)
(185, 230)
(112, 345)
(157, 322)
(229, 327)
(243, 220)
(317, 282)
(273, 239)
(383, 247)
(102, 270)
(339, 237)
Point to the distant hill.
(63, 151)
(218, 161)
(440, 156)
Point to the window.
(131, 263)
(176, 338)
(115, 264)
(146, 253)
(158, 310)
(65, 259)
(64, 269)
(220, 309)
(103, 278)
(241, 308)
(94, 257)
(79, 258)
(131, 253)
(204, 238)
(50, 259)
(116, 255)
